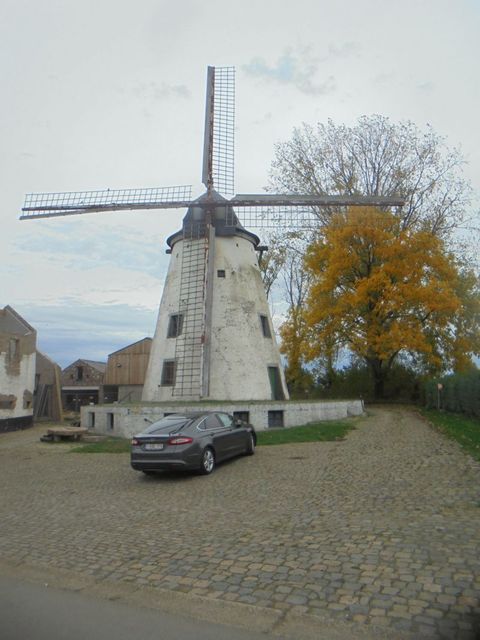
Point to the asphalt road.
(39, 612)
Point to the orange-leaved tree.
(467, 320)
(380, 289)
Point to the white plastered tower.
(214, 338)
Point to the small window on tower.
(168, 373)
(265, 327)
(175, 325)
(221, 273)
(79, 373)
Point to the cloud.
(385, 79)
(73, 330)
(426, 87)
(298, 70)
(114, 247)
(267, 117)
(163, 91)
(345, 50)
(58, 278)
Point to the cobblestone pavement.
(380, 531)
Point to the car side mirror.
(238, 423)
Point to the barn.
(82, 383)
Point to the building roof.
(99, 366)
(12, 322)
(47, 358)
(129, 346)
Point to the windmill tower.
(214, 338)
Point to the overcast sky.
(97, 94)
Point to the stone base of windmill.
(125, 420)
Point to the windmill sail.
(294, 211)
(207, 172)
(219, 137)
(48, 205)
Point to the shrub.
(460, 393)
(402, 384)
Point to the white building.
(17, 370)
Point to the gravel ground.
(379, 532)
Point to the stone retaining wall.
(127, 420)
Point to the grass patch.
(466, 431)
(109, 445)
(315, 432)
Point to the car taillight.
(135, 442)
(180, 440)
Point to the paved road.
(39, 612)
(379, 533)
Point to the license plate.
(154, 446)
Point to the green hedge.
(401, 385)
(460, 393)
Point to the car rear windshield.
(168, 423)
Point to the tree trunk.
(379, 387)
(379, 374)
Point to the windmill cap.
(213, 208)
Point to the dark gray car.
(193, 441)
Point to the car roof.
(192, 415)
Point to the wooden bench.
(66, 433)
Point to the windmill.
(214, 337)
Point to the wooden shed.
(125, 372)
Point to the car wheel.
(250, 445)
(148, 473)
(207, 464)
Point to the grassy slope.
(466, 431)
(315, 432)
